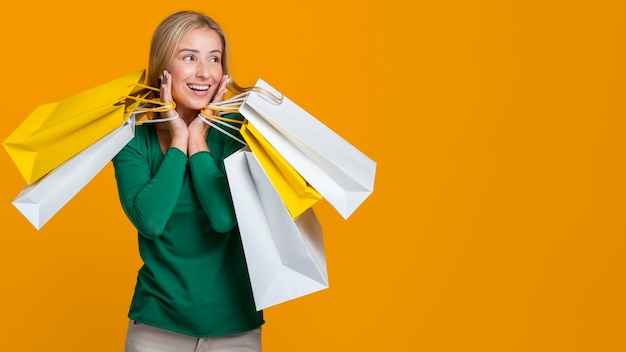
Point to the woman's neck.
(187, 115)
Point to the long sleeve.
(149, 193)
(212, 189)
(210, 182)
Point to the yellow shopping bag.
(296, 193)
(53, 133)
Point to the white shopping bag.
(40, 201)
(285, 258)
(341, 173)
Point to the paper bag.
(341, 173)
(285, 258)
(296, 193)
(55, 132)
(40, 201)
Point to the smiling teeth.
(197, 87)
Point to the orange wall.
(497, 221)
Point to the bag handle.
(233, 103)
(213, 120)
(148, 105)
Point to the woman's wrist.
(179, 143)
(168, 114)
(197, 144)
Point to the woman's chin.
(197, 106)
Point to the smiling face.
(196, 70)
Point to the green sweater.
(194, 280)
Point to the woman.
(193, 289)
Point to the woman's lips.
(199, 89)
(199, 86)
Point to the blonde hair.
(168, 35)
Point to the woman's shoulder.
(143, 131)
(143, 136)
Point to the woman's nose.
(202, 70)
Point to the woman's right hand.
(177, 127)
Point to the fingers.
(166, 92)
(166, 87)
(221, 89)
(224, 84)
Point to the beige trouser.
(146, 338)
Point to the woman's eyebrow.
(198, 51)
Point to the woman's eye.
(214, 59)
(187, 58)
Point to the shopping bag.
(296, 193)
(341, 173)
(285, 257)
(40, 201)
(55, 132)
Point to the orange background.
(497, 221)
